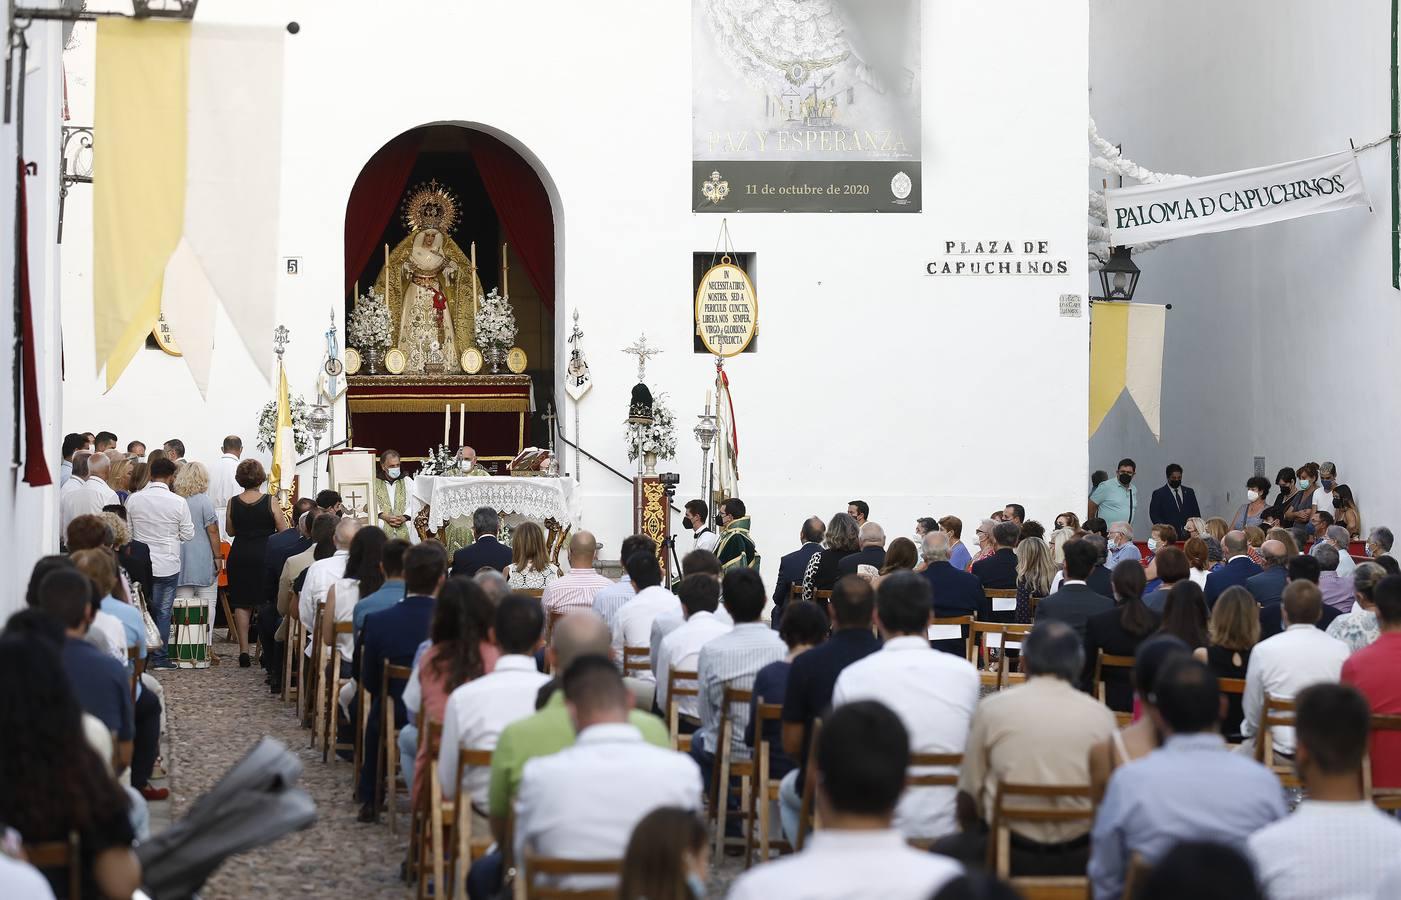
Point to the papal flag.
(1126, 352)
(726, 438)
(284, 449)
(185, 188)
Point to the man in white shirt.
(862, 755)
(1336, 844)
(584, 801)
(632, 627)
(89, 493)
(323, 573)
(222, 486)
(933, 693)
(1290, 661)
(680, 650)
(1323, 494)
(696, 520)
(479, 710)
(610, 599)
(160, 518)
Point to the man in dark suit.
(956, 593)
(1238, 568)
(1298, 568)
(1268, 586)
(485, 551)
(280, 547)
(1173, 504)
(391, 638)
(1075, 602)
(999, 571)
(1100, 576)
(792, 565)
(872, 552)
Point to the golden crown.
(430, 205)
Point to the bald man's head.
(582, 633)
(1274, 553)
(582, 550)
(99, 465)
(872, 535)
(345, 532)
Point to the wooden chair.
(807, 810)
(765, 793)
(553, 616)
(389, 786)
(1006, 811)
(1232, 686)
(316, 689)
(138, 665)
(312, 663)
(1139, 870)
(329, 745)
(291, 659)
(979, 634)
(965, 624)
(527, 886)
(362, 719)
(1110, 661)
(1277, 713)
(1000, 594)
(467, 846)
(674, 690)
(437, 818)
(417, 805)
(726, 766)
(636, 660)
(931, 779)
(59, 857)
(537, 593)
(1388, 798)
(230, 631)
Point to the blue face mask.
(1303, 484)
(696, 885)
(392, 473)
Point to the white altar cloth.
(518, 499)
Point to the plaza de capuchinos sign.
(727, 309)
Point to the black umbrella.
(255, 803)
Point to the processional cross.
(643, 353)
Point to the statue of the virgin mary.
(434, 285)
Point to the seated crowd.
(933, 721)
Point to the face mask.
(1328, 484)
(1252, 496)
(696, 885)
(1303, 484)
(1368, 550)
(1125, 477)
(1339, 504)
(1152, 543)
(1175, 482)
(392, 473)
(720, 519)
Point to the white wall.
(873, 379)
(1279, 336)
(29, 516)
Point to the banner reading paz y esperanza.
(1244, 199)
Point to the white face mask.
(1252, 495)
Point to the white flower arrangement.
(267, 426)
(496, 322)
(440, 461)
(368, 323)
(659, 437)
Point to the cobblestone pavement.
(213, 717)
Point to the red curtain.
(36, 471)
(524, 209)
(373, 201)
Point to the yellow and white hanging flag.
(284, 448)
(185, 190)
(1126, 351)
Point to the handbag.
(153, 632)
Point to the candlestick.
(461, 424)
(505, 271)
(707, 401)
(447, 421)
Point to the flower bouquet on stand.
(267, 426)
(439, 461)
(654, 441)
(368, 327)
(496, 328)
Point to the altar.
(552, 503)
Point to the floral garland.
(1111, 160)
(496, 322)
(267, 426)
(368, 324)
(659, 437)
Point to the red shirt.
(1376, 671)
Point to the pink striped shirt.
(573, 591)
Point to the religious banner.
(727, 305)
(1126, 352)
(805, 107)
(1186, 206)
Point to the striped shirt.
(732, 660)
(573, 591)
(608, 601)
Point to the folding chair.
(636, 660)
(965, 625)
(726, 765)
(1277, 713)
(1110, 661)
(1004, 813)
(1388, 798)
(807, 812)
(674, 690)
(527, 888)
(291, 659)
(467, 847)
(59, 857)
(765, 793)
(389, 788)
(931, 779)
(329, 745)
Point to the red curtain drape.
(373, 201)
(524, 209)
(36, 470)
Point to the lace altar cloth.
(536, 499)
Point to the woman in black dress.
(843, 539)
(1118, 632)
(1235, 630)
(252, 518)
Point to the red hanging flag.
(36, 471)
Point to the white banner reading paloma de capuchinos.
(1187, 206)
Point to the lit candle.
(707, 401)
(447, 420)
(461, 423)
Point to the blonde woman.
(200, 558)
(1036, 569)
(530, 567)
(139, 477)
(119, 478)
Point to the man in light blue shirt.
(391, 592)
(1116, 500)
(1121, 545)
(1192, 788)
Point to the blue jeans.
(162, 605)
(408, 752)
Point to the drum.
(189, 633)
